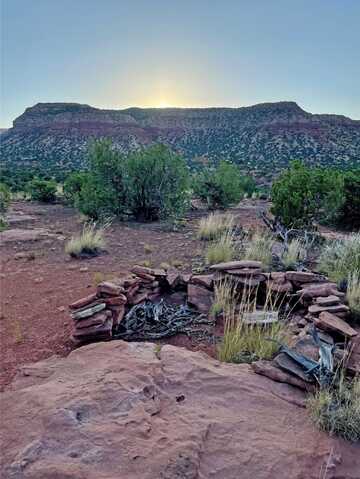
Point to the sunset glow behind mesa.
(181, 53)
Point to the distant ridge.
(262, 137)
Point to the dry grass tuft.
(294, 254)
(88, 243)
(221, 250)
(225, 297)
(337, 410)
(215, 225)
(165, 266)
(340, 258)
(244, 342)
(260, 247)
(148, 249)
(353, 292)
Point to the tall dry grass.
(294, 254)
(215, 225)
(259, 248)
(90, 241)
(353, 293)
(341, 258)
(244, 342)
(220, 250)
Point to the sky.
(189, 53)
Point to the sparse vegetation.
(18, 332)
(244, 342)
(294, 253)
(89, 243)
(341, 257)
(221, 250)
(353, 293)
(98, 277)
(259, 248)
(336, 410)
(214, 225)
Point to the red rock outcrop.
(125, 410)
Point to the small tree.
(222, 186)
(42, 190)
(156, 183)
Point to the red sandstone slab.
(331, 322)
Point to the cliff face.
(262, 137)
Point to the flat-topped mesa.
(57, 135)
(63, 115)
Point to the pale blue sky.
(119, 53)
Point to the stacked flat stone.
(97, 316)
(249, 273)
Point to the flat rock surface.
(129, 411)
(18, 234)
(236, 265)
(16, 218)
(302, 276)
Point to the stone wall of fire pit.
(319, 302)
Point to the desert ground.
(39, 280)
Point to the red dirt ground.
(36, 290)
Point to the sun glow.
(163, 104)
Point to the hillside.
(262, 137)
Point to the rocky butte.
(263, 137)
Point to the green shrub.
(302, 195)
(223, 186)
(42, 190)
(340, 258)
(72, 186)
(5, 197)
(156, 183)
